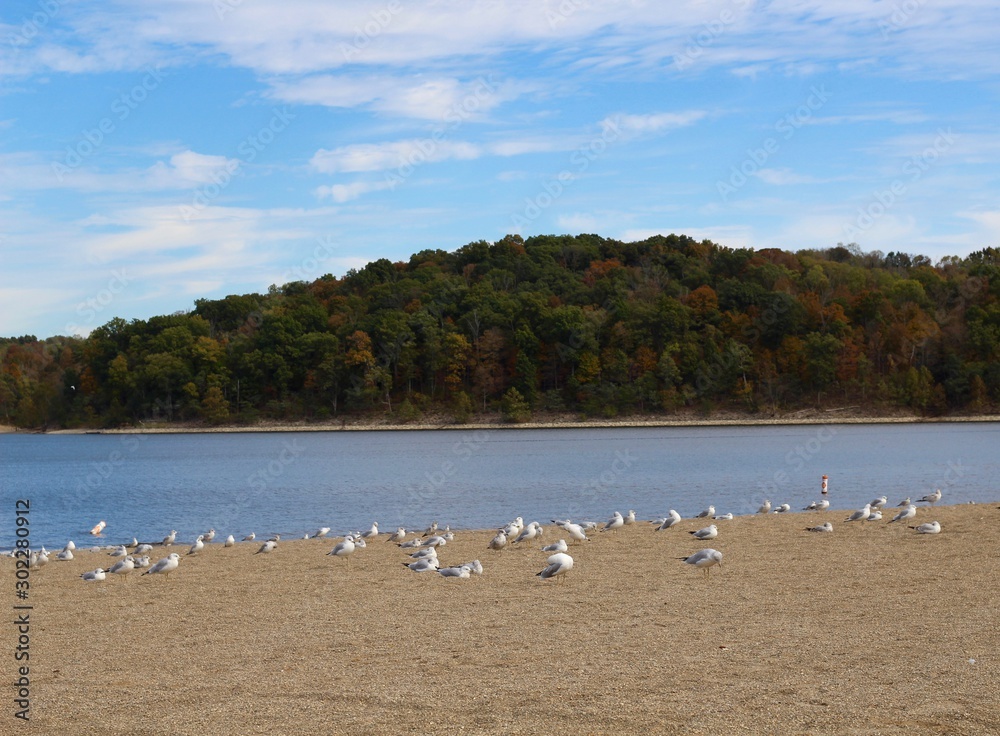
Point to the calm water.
(293, 483)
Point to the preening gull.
(165, 565)
(534, 529)
(704, 559)
(198, 545)
(230, 541)
(269, 546)
(65, 555)
(559, 564)
(783, 509)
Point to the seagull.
(905, 502)
(359, 542)
(230, 541)
(783, 509)
(879, 502)
(765, 507)
(143, 549)
(64, 555)
(169, 539)
(97, 574)
(141, 562)
(821, 505)
(709, 532)
(70, 546)
(614, 523)
(415, 542)
(454, 572)
(119, 551)
(930, 527)
(209, 536)
(824, 527)
(371, 533)
(422, 565)
(875, 515)
(321, 532)
(123, 567)
(198, 546)
(514, 528)
(39, 558)
(498, 542)
(475, 567)
(424, 552)
(559, 546)
(98, 528)
(861, 514)
(559, 564)
(344, 549)
(931, 498)
(269, 546)
(630, 517)
(165, 565)
(672, 518)
(534, 529)
(724, 517)
(432, 529)
(249, 537)
(704, 558)
(435, 541)
(397, 536)
(908, 513)
(710, 511)
(576, 533)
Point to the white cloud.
(346, 192)
(391, 155)
(784, 177)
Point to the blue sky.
(153, 152)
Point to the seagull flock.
(422, 551)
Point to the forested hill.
(583, 325)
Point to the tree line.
(582, 325)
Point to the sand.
(873, 629)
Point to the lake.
(292, 483)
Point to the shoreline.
(814, 417)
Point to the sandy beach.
(873, 629)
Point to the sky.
(154, 152)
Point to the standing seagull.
(559, 564)
(630, 517)
(908, 513)
(166, 566)
(931, 498)
(371, 533)
(209, 536)
(397, 536)
(498, 542)
(616, 522)
(198, 545)
(534, 529)
(861, 514)
(672, 518)
(169, 539)
(123, 568)
(269, 546)
(709, 532)
(704, 558)
(344, 549)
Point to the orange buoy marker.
(825, 479)
(98, 528)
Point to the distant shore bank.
(806, 417)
